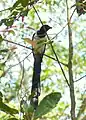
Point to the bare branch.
(72, 95)
(80, 78)
(17, 44)
(15, 65)
(31, 52)
(64, 26)
(6, 9)
(18, 62)
(56, 60)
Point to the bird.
(38, 50)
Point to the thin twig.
(80, 78)
(15, 65)
(5, 9)
(17, 44)
(53, 49)
(64, 26)
(56, 60)
(21, 85)
(31, 52)
(22, 78)
(72, 14)
(18, 62)
(59, 32)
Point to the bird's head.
(45, 28)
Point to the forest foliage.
(20, 19)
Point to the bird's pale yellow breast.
(40, 45)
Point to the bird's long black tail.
(35, 91)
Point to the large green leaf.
(47, 104)
(7, 109)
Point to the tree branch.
(80, 78)
(56, 60)
(31, 49)
(72, 96)
(14, 65)
(6, 9)
(64, 26)
(17, 44)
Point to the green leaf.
(47, 104)
(2, 65)
(1, 39)
(12, 32)
(24, 12)
(24, 2)
(27, 108)
(12, 119)
(1, 22)
(7, 109)
(9, 22)
(15, 4)
(14, 13)
(4, 50)
(1, 95)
